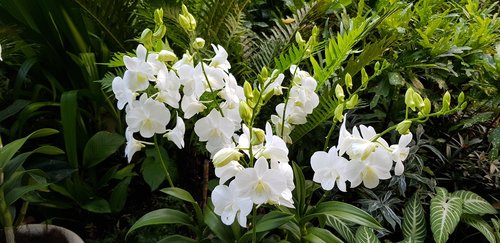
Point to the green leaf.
(414, 220)
(481, 225)
(69, 111)
(119, 195)
(396, 79)
(365, 235)
(272, 220)
(341, 227)
(162, 216)
(494, 138)
(179, 193)
(300, 188)
(319, 235)
(152, 172)
(10, 149)
(473, 203)
(18, 192)
(97, 205)
(445, 214)
(222, 231)
(13, 109)
(343, 211)
(101, 146)
(176, 239)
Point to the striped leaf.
(365, 235)
(474, 204)
(341, 227)
(481, 225)
(445, 214)
(413, 227)
(320, 235)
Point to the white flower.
(275, 148)
(213, 78)
(260, 183)
(214, 128)
(139, 72)
(329, 168)
(191, 79)
(286, 197)
(275, 85)
(147, 116)
(370, 171)
(226, 155)
(244, 142)
(228, 204)
(220, 58)
(133, 145)
(228, 171)
(400, 152)
(1, 53)
(232, 92)
(123, 94)
(293, 114)
(168, 85)
(187, 60)
(282, 129)
(191, 106)
(176, 135)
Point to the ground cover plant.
(320, 121)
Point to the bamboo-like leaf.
(18, 192)
(300, 188)
(481, 225)
(215, 224)
(69, 111)
(319, 235)
(414, 220)
(341, 227)
(445, 214)
(179, 193)
(100, 146)
(365, 235)
(176, 239)
(474, 204)
(272, 220)
(162, 216)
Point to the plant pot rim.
(40, 228)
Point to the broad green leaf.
(69, 113)
(445, 214)
(97, 205)
(300, 188)
(162, 216)
(319, 235)
(222, 231)
(119, 195)
(13, 109)
(396, 79)
(494, 139)
(100, 146)
(179, 193)
(272, 220)
(365, 235)
(152, 172)
(414, 220)
(473, 203)
(343, 211)
(481, 225)
(18, 192)
(292, 228)
(341, 227)
(124, 172)
(10, 149)
(176, 239)
(49, 150)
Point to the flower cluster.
(370, 159)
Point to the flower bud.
(160, 32)
(352, 102)
(410, 103)
(377, 66)
(247, 89)
(158, 15)
(461, 98)
(258, 136)
(348, 81)
(463, 105)
(146, 38)
(264, 74)
(427, 107)
(364, 77)
(166, 56)
(403, 127)
(339, 112)
(446, 102)
(417, 99)
(339, 92)
(184, 22)
(198, 43)
(245, 111)
(299, 40)
(226, 155)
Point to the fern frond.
(322, 113)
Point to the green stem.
(254, 226)
(6, 219)
(165, 169)
(22, 214)
(332, 128)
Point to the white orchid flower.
(228, 171)
(220, 58)
(123, 94)
(147, 116)
(229, 204)
(400, 153)
(214, 128)
(191, 106)
(168, 85)
(371, 170)
(329, 169)
(176, 135)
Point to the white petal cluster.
(302, 99)
(370, 159)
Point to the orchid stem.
(162, 162)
